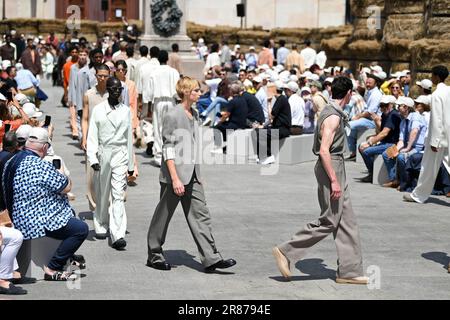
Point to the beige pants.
(336, 217)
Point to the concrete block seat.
(296, 149)
(35, 254)
(380, 174)
(362, 137)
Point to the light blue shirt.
(373, 98)
(26, 80)
(282, 54)
(416, 121)
(261, 95)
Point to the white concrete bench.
(380, 173)
(296, 149)
(362, 137)
(34, 255)
(240, 143)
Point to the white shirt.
(131, 64)
(143, 86)
(163, 83)
(261, 95)
(297, 110)
(139, 64)
(213, 85)
(426, 115)
(212, 61)
(440, 117)
(309, 55)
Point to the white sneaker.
(268, 161)
(207, 122)
(217, 151)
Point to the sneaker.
(149, 150)
(268, 160)
(352, 157)
(207, 122)
(408, 198)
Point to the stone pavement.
(409, 243)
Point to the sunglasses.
(396, 88)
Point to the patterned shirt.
(38, 204)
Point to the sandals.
(60, 276)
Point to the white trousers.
(111, 185)
(12, 241)
(159, 110)
(431, 162)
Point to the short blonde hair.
(185, 86)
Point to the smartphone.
(9, 96)
(7, 127)
(48, 120)
(360, 67)
(57, 163)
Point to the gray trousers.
(336, 217)
(197, 216)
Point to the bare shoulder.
(332, 122)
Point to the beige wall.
(45, 9)
(269, 13)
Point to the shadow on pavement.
(182, 258)
(438, 201)
(314, 269)
(438, 257)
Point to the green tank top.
(338, 145)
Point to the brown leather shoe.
(282, 263)
(392, 184)
(356, 280)
(448, 195)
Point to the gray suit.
(181, 143)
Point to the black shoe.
(119, 244)
(367, 179)
(75, 138)
(352, 157)
(101, 236)
(22, 280)
(149, 150)
(13, 290)
(222, 264)
(159, 265)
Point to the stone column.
(151, 38)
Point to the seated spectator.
(9, 84)
(6, 116)
(297, 105)
(255, 116)
(219, 103)
(388, 131)
(357, 103)
(364, 120)
(310, 115)
(45, 211)
(422, 106)
(425, 86)
(251, 58)
(235, 117)
(26, 82)
(411, 141)
(10, 242)
(318, 99)
(281, 121)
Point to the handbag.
(5, 220)
(40, 95)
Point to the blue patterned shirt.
(38, 204)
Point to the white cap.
(406, 101)
(406, 71)
(385, 99)
(129, 28)
(293, 86)
(329, 79)
(23, 132)
(425, 84)
(280, 85)
(22, 99)
(279, 68)
(313, 77)
(376, 68)
(306, 74)
(258, 79)
(6, 64)
(328, 70)
(293, 77)
(251, 48)
(3, 98)
(382, 75)
(284, 76)
(31, 110)
(424, 100)
(402, 74)
(201, 40)
(306, 89)
(264, 76)
(366, 70)
(237, 47)
(39, 135)
(264, 67)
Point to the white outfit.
(131, 64)
(145, 73)
(438, 137)
(139, 64)
(297, 110)
(309, 55)
(163, 92)
(110, 144)
(12, 241)
(212, 61)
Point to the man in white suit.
(437, 143)
(110, 154)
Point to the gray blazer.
(181, 143)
